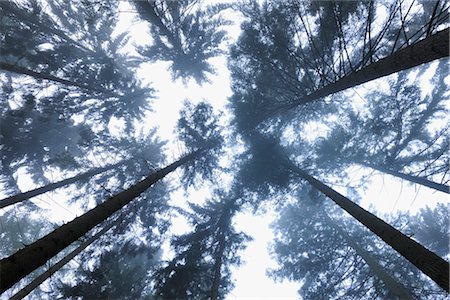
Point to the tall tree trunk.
(217, 267)
(24, 261)
(24, 71)
(415, 179)
(53, 269)
(425, 260)
(53, 186)
(395, 289)
(428, 49)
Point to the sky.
(384, 195)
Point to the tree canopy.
(322, 99)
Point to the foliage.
(198, 128)
(121, 273)
(183, 34)
(211, 247)
(67, 76)
(312, 251)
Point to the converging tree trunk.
(24, 71)
(24, 261)
(425, 260)
(415, 179)
(430, 48)
(53, 269)
(53, 186)
(395, 289)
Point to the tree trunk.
(53, 186)
(415, 179)
(428, 49)
(425, 260)
(53, 269)
(395, 289)
(24, 261)
(217, 267)
(24, 71)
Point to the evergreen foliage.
(75, 97)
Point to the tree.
(429, 226)
(339, 261)
(183, 34)
(198, 127)
(301, 81)
(17, 266)
(398, 132)
(121, 273)
(50, 187)
(427, 261)
(44, 276)
(200, 268)
(74, 45)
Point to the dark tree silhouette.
(185, 34)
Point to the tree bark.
(394, 288)
(425, 260)
(217, 267)
(53, 269)
(415, 179)
(24, 261)
(53, 186)
(24, 71)
(428, 49)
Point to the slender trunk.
(53, 269)
(53, 186)
(425, 260)
(24, 261)
(430, 48)
(419, 180)
(37, 75)
(217, 267)
(395, 289)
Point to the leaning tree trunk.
(425, 260)
(415, 179)
(53, 269)
(53, 186)
(394, 288)
(24, 261)
(430, 48)
(24, 71)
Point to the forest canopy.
(140, 138)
